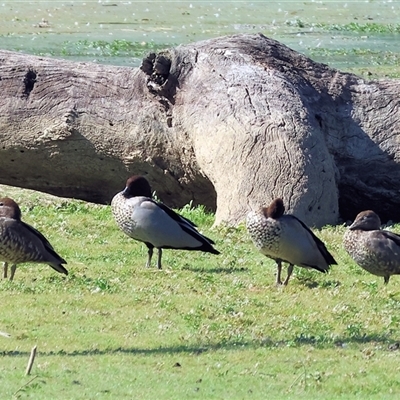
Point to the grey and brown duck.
(374, 249)
(21, 243)
(285, 238)
(153, 223)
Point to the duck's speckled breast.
(356, 244)
(123, 212)
(265, 232)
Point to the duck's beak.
(125, 191)
(355, 225)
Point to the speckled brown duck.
(21, 243)
(153, 223)
(374, 249)
(285, 238)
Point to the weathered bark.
(230, 123)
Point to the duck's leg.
(13, 269)
(150, 255)
(159, 258)
(386, 279)
(289, 273)
(5, 270)
(279, 272)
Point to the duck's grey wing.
(175, 216)
(185, 223)
(386, 245)
(320, 244)
(394, 237)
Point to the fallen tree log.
(230, 123)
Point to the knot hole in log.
(29, 82)
(159, 81)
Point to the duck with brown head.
(372, 248)
(153, 223)
(285, 238)
(21, 243)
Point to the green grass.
(368, 27)
(369, 63)
(205, 327)
(380, 63)
(104, 48)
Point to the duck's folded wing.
(43, 239)
(187, 225)
(391, 236)
(320, 244)
(175, 216)
(387, 244)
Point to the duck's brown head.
(137, 185)
(366, 221)
(9, 209)
(275, 210)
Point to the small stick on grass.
(297, 378)
(25, 384)
(31, 360)
(5, 334)
(304, 373)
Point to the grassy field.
(205, 327)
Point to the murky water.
(71, 29)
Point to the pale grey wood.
(231, 123)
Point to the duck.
(22, 243)
(285, 238)
(374, 249)
(153, 223)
